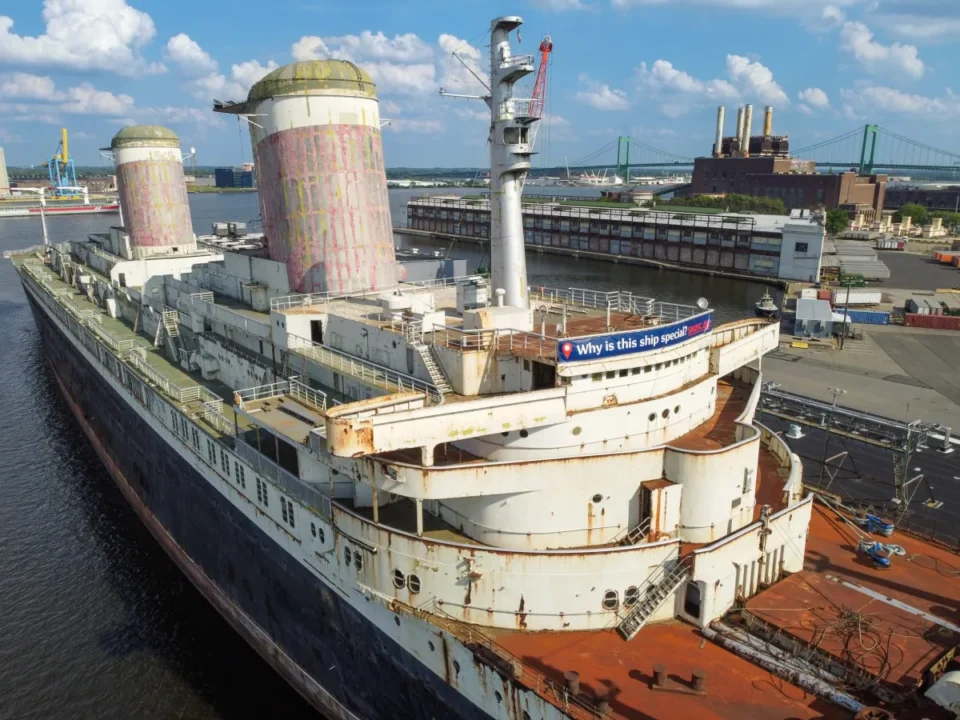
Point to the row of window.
(611, 374)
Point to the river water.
(95, 621)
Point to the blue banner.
(632, 342)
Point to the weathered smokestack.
(717, 148)
(768, 121)
(739, 125)
(747, 124)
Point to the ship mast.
(510, 150)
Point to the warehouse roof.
(816, 310)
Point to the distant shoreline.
(213, 189)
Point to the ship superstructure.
(383, 487)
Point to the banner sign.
(631, 342)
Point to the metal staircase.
(636, 534)
(414, 334)
(661, 585)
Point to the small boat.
(766, 307)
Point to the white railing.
(515, 60)
(287, 481)
(206, 297)
(464, 339)
(292, 388)
(514, 108)
(321, 299)
(364, 370)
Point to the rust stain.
(521, 615)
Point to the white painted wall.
(799, 264)
(733, 566)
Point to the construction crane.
(540, 86)
(63, 175)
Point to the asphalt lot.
(866, 473)
(919, 272)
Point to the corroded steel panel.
(153, 196)
(326, 213)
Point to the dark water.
(95, 621)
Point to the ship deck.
(927, 579)
(120, 330)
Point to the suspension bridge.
(866, 149)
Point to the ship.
(462, 496)
(765, 307)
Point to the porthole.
(631, 596)
(320, 534)
(346, 556)
(430, 645)
(524, 433)
(665, 414)
(651, 417)
(611, 600)
(498, 696)
(577, 430)
(358, 561)
(313, 529)
(456, 667)
(525, 715)
(398, 579)
(676, 410)
(396, 620)
(505, 433)
(598, 498)
(413, 582)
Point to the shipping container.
(823, 295)
(857, 297)
(937, 322)
(866, 317)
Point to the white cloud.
(833, 16)
(390, 107)
(755, 80)
(177, 114)
(403, 64)
(600, 96)
(8, 137)
(189, 57)
(83, 35)
(85, 99)
(857, 39)
(662, 75)
(804, 109)
(778, 7)
(559, 5)
(206, 82)
(814, 98)
(921, 20)
(453, 75)
(887, 99)
(680, 92)
(25, 86)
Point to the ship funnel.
(747, 125)
(152, 190)
(718, 145)
(315, 132)
(768, 121)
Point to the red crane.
(540, 87)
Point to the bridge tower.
(869, 136)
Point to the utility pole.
(827, 420)
(846, 304)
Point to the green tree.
(836, 221)
(920, 215)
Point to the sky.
(651, 69)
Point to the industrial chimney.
(320, 176)
(153, 194)
(747, 124)
(718, 146)
(768, 121)
(739, 129)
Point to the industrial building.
(773, 246)
(233, 178)
(934, 198)
(761, 166)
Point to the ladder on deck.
(636, 534)
(414, 334)
(661, 585)
(437, 376)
